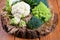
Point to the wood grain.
(55, 35)
(58, 2)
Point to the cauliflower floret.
(21, 9)
(22, 23)
(14, 21)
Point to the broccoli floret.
(34, 23)
(42, 11)
(34, 3)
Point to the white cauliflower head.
(21, 9)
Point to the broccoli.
(42, 12)
(34, 3)
(34, 23)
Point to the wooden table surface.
(55, 35)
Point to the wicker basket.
(43, 30)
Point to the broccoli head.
(34, 23)
(42, 12)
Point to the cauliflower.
(20, 9)
(22, 23)
(14, 21)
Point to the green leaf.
(34, 3)
(15, 1)
(8, 7)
